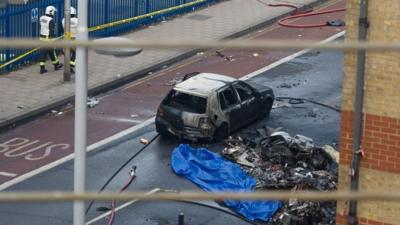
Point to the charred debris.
(279, 161)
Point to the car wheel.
(221, 132)
(268, 107)
(162, 130)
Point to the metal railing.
(104, 20)
(202, 44)
(13, 197)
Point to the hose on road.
(327, 23)
(132, 175)
(120, 168)
(307, 13)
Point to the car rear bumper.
(181, 132)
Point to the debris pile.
(280, 161)
(228, 58)
(92, 102)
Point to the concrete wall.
(380, 168)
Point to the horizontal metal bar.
(261, 195)
(184, 44)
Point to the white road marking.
(6, 174)
(120, 207)
(289, 58)
(71, 156)
(149, 121)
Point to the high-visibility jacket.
(73, 26)
(47, 27)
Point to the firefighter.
(48, 33)
(73, 29)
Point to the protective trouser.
(48, 52)
(73, 56)
(43, 57)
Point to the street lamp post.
(80, 126)
(117, 52)
(4, 3)
(67, 36)
(80, 130)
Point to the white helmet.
(51, 10)
(73, 11)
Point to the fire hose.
(120, 168)
(310, 12)
(132, 175)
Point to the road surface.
(316, 76)
(47, 142)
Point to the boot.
(42, 70)
(58, 66)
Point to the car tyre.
(162, 130)
(267, 109)
(221, 132)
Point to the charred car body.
(211, 106)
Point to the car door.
(248, 100)
(230, 106)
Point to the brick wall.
(340, 219)
(380, 168)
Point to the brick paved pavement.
(25, 92)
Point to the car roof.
(204, 83)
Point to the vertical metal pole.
(181, 219)
(147, 6)
(8, 35)
(67, 36)
(359, 95)
(80, 113)
(106, 16)
(136, 8)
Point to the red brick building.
(380, 140)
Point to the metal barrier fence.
(168, 195)
(22, 21)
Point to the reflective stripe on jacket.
(73, 26)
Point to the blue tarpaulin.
(213, 173)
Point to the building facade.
(380, 165)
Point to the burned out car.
(211, 106)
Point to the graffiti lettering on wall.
(30, 149)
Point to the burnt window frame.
(233, 92)
(253, 95)
(167, 101)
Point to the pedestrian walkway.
(26, 92)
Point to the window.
(244, 91)
(227, 98)
(186, 102)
